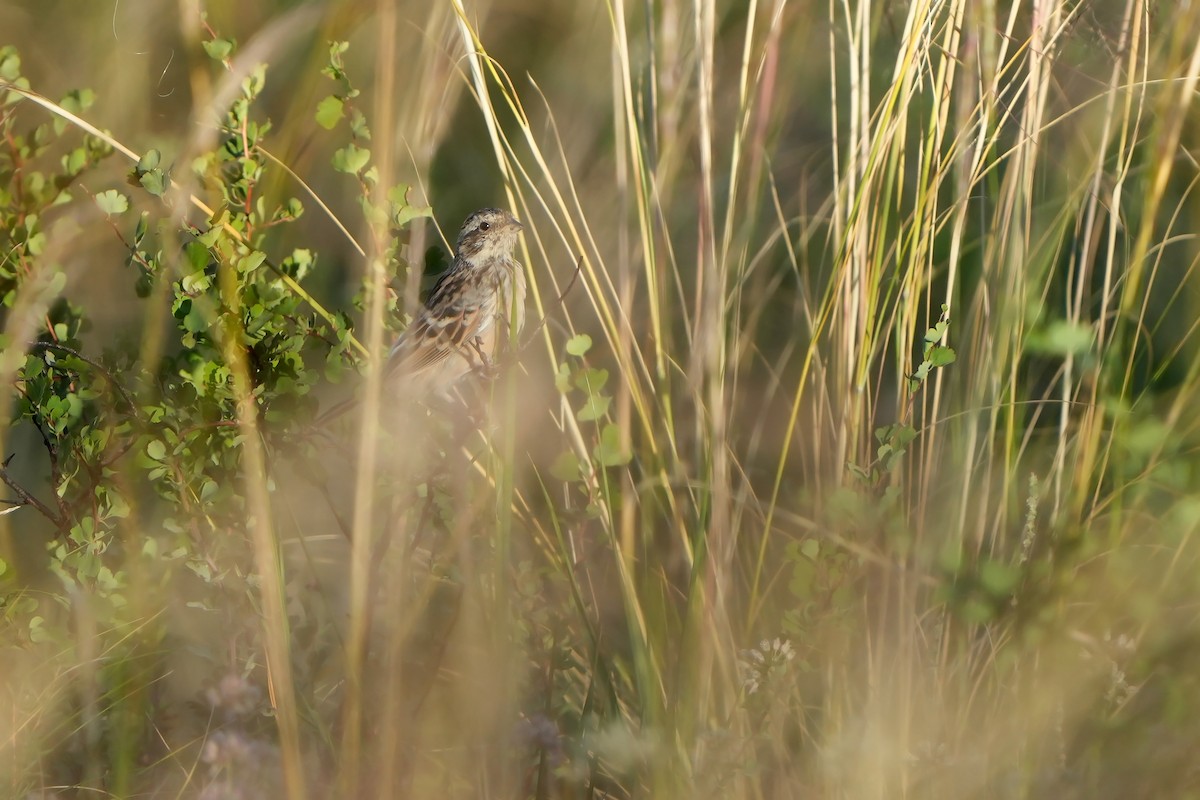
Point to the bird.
(475, 309)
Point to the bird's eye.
(484, 226)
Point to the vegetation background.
(856, 455)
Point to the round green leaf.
(329, 112)
(112, 202)
(351, 159)
(578, 345)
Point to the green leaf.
(298, 264)
(567, 466)
(74, 162)
(292, 210)
(105, 579)
(156, 450)
(218, 49)
(998, 579)
(562, 379)
(609, 452)
(351, 159)
(58, 282)
(117, 505)
(252, 85)
(250, 262)
(10, 64)
(195, 321)
(975, 612)
(940, 356)
(1062, 338)
(329, 112)
(900, 435)
(112, 202)
(149, 160)
(37, 630)
(78, 100)
(35, 245)
(591, 380)
(406, 214)
(143, 225)
(376, 215)
(358, 123)
(201, 569)
(197, 255)
(155, 182)
(595, 408)
(810, 549)
(398, 194)
(579, 345)
(196, 283)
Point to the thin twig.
(28, 499)
(51, 452)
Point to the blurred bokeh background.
(856, 456)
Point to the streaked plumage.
(466, 320)
(474, 310)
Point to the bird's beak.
(516, 223)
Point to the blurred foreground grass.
(857, 460)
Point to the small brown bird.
(476, 308)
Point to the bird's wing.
(453, 318)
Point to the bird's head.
(488, 233)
